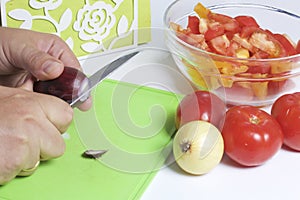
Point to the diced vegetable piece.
(247, 31)
(232, 49)
(230, 69)
(242, 53)
(298, 47)
(260, 89)
(193, 24)
(220, 44)
(246, 21)
(265, 42)
(201, 10)
(228, 23)
(260, 55)
(240, 37)
(244, 43)
(214, 32)
(287, 45)
(203, 27)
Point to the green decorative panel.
(88, 26)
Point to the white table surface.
(277, 179)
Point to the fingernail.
(51, 66)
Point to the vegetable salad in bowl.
(245, 53)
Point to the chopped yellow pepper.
(201, 10)
(242, 53)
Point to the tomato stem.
(254, 119)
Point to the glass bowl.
(247, 81)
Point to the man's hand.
(27, 55)
(30, 129)
(31, 123)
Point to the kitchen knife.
(73, 86)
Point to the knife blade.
(73, 86)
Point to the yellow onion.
(198, 147)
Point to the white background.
(276, 180)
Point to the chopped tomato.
(240, 37)
(229, 23)
(260, 55)
(193, 24)
(220, 44)
(182, 34)
(266, 42)
(232, 49)
(259, 69)
(268, 32)
(246, 21)
(219, 17)
(197, 40)
(287, 45)
(243, 42)
(213, 32)
(298, 47)
(247, 31)
(229, 35)
(236, 91)
(275, 87)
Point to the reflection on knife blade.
(100, 75)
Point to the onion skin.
(198, 147)
(68, 86)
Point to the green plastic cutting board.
(134, 123)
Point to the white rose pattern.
(47, 4)
(94, 22)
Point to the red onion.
(70, 85)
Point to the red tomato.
(200, 105)
(229, 35)
(193, 24)
(260, 55)
(247, 31)
(219, 44)
(182, 34)
(275, 87)
(265, 41)
(251, 136)
(232, 48)
(287, 45)
(298, 47)
(214, 32)
(243, 30)
(246, 21)
(229, 23)
(286, 111)
(261, 68)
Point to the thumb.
(42, 65)
(28, 83)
